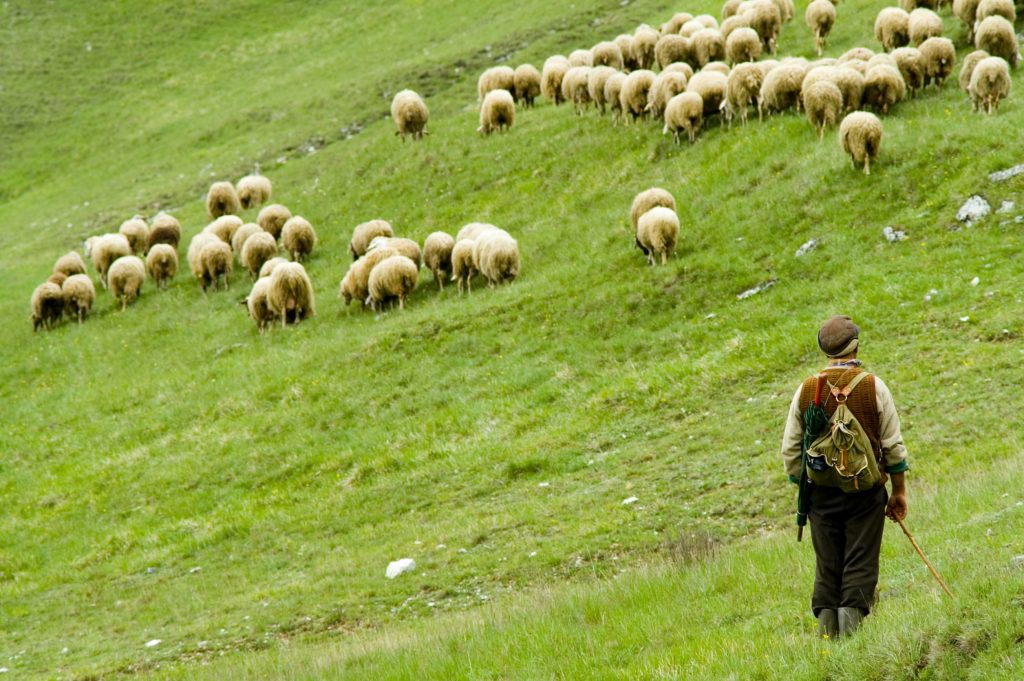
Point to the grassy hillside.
(170, 474)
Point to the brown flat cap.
(838, 336)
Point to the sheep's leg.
(664, 257)
(867, 165)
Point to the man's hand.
(896, 509)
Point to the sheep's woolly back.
(496, 256)
(47, 305)
(581, 58)
(892, 28)
(970, 61)
(298, 238)
(290, 294)
(394, 278)
(648, 199)
(924, 24)
(764, 17)
(366, 232)
(678, 20)
(125, 279)
(823, 102)
(733, 24)
(743, 45)
(711, 86)
(684, 111)
(743, 88)
(79, 295)
(165, 230)
(473, 230)
(860, 135)
(657, 232)
(57, 278)
(270, 265)
(70, 263)
(495, 78)
(781, 88)
(216, 263)
(271, 219)
(257, 249)
(883, 87)
(707, 45)
(253, 190)
(607, 53)
(224, 227)
(526, 84)
(437, 256)
(996, 8)
(137, 233)
(597, 78)
(633, 96)
(498, 112)
(551, 78)
(104, 250)
(854, 53)
(706, 20)
(911, 65)
(403, 246)
(257, 304)
(243, 233)
(990, 82)
(410, 114)
(162, 264)
(939, 58)
(995, 35)
(195, 247)
(574, 87)
(730, 8)
(222, 199)
(820, 17)
(645, 40)
(670, 48)
(612, 92)
(355, 284)
(667, 85)
(463, 269)
(625, 42)
(967, 11)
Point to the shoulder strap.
(845, 392)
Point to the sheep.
(678, 20)
(911, 65)
(162, 264)
(79, 294)
(272, 218)
(253, 190)
(215, 264)
(743, 45)
(854, 53)
(472, 230)
(730, 8)
(939, 57)
(781, 89)
(995, 35)
(787, 10)
(224, 227)
(967, 12)
(851, 83)
(680, 67)
(596, 80)
(690, 28)
(437, 255)
(290, 294)
(892, 28)
(463, 269)
(257, 249)
(551, 77)
(860, 135)
(574, 88)
(268, 267)
(607, 53)
(820, 17)
(990, 82)
(222, 199)
(526, 84)
(364, 233)
(495, 255)
(355, 284)
(765, 18)
(671, 48)
(406, 247)
(883, 87)
(104, 250)
(57, 278)
(645, 40)
(257, 305)
(298, 238)
(970, 61)
(633, 96)
(706, 20)
(242, 234)
(626, 44)
(410, 114)
(70, 263)
(498, 112)
(706, 46)
(657, 232)
(394, 278)
(165, 230)
(717, 67)
(137, 233)
(195, 247)
(684, 111)
(711, 86)
(125, 279)
(923, 24)
(612, 90)
(581, 58)
(495, 78)
(743, 88)
(996, 8)
(823, 102)
(667, 85)
(645, 201)
(47, 306)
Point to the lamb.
(165, 230)
(711, 86)
(272, 218)
(498, 112)
(645, 40)
(743, 45)
(646, 200)
(394, 278)
(764, 17)
(437, 255)
(257, 305)
(551, 77)
(526, 82)
(860, 135)
(366, 232)
(970, 61)
(892, 28)
(967, 12)
(596, 81)
(911, 66)
(253, 190)
(47, 306)
(996, 8)
(215, 261)
(242, 234)
(137, 233)
(125, 279)
(406, 247)
(257, 249)
(612, 92)
(820, 17)
(743, 88)
(495, 255)
(657, 232)
(298, 238)
(495, 78)
(268, 267)
(924, 24)
(463, 269)
(290, 294)
(356, 282)
(224, 227)
(939, 57)
(823, 102)
(104, 250)
(79, 295)
(162, 264)
(607, 53)
(222, 199)
(410, 114)
(581, 58)
(671, 48)
(667, 85)
(990, 82)
(883, 87)
(781, 89)
(995, 35)
(685, 111)
(707, 45)
(574, 88)
(70, 263)
(633, 97)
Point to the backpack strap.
(842, 394)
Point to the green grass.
(290, 468)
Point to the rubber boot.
(849, 620)
(828, 623)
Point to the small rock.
(710, 315)
(153, 643)
(1017, 562)
(975, 281)
(400, 566)
(194, 570)
(629, 501)
(1019, 219)
(807, 248)
(441, 547)
(894, 235)
(931, 294)
(543, 484)
(150, 570)
(532, 554)
(1003, 175)
(763, 286)
(64, 650)
(3, 670)
(974, 209)
(1006, 207)
(965, 319)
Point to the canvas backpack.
(842, 455)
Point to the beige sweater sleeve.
(893, 450)
(792, 439)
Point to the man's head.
(838, 337)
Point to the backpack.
(842, 455)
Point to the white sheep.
(574, 88)
(970, 61)
(498, 112)
(633, 96)
(137, 233)
(47, 306)
(257, 249)
(526, 84)
(103, 250)
(410, 114)
(243, 233)
(883, 87)
(272, 218)
(581, 58)
(645, 40)
(394, 278)
(924, 24)
(743, 45)
(743, 89)
(764, 17)
(667, 85)
(939, 57)
(911, 65)
(820, 17)
(463, 269)
(555, 68)
(996, 36)
(268, 267)
(707, 45)
(626, 45)
(165, 230)
(222, 199)
(684, 111)
(366, 232)
(258, 306)
(967, 11)
(860, 135)
(290, 294)
(711, 86)
(823, 103)
(996, 8)
(224, 227)
(79, 295)
(437, 255)
(70, 263)
(162, 264)
(990, 82)
(781, 89)
(657, 233)
(645, 201)
(495, 78)
(496, 256)
(472, 230)
(671, 48)
(607, 53)
(298, 238)
(673, 25)
(892, 28)
(612, 92)
(215, 264)
(253, 190)
(356, 282)
(125, 279)
(597, 78)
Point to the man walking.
(846, 527)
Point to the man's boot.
(828, 623)
(849, 620)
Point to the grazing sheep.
(733, 24)
(645, 41)
(165, 230)
(743, 89)
(626, 44)
(743, 45)
(463, 269)
(526, 84)
(685, 111)
(224, 227)
(222, 199)
(996, 8)
(823, 102)
(612, 92)
(243, 233)
(70, 263)
(290, 294)
(892, 28)
(967, 12)
(215, 264)
(356, 282)
(820, 17)
(607, 53)
(764, 17)
(711, 86)
(253, 190)
(79, 295)
(911, 65)
(581, 58)
(498, 112)
(495, 255)
(855, 53)
(402, 246)
(125, 279)
(271, 219)
(257, 249)
(195, 247)
(996, 36)
(47, 306)
(671, 48)
(410, 114)
(990, 82)
(716, 66)
(657, 232)
(472, 230)
(495, 78)
(787, 10)
(677, 21)
(781, 89)
(690, 28)
(645, 201)
(394, 278)
(633, 97)
(574, 88)
(162, 264)
(883, 87)
(706, 20)
(707, 45)
(137, 233)
(860, 135)
(366, 232)
(551, 77)
(924, 24)
(437, 255)
(268, 267)
(298, 238)
(257, 305)
(104, 250)
(851, 84)
(939, 57)
(57, 278)
(596, 80)
(970, 61)
(730, 8)
(667, 85)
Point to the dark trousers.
(846, 530)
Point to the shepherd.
(841, 445)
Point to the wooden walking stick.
(921, 553)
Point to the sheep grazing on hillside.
(463, 269)
(290, 294)
(162, 264)
(574, 88)
(165, 230)
(47, 306)
(970, 61)
(742, 89)
(400, 245)
(990, 82)
(823, 102)
(967, 11)
(596, 81)
(496, 256)
(581, 58)
(393, 279)
(939, 57)
(667, 85)
(437, 255)
(224, 227)
(883, 87)
(733, 24)
(298, 238)
(678, 20)
(555, 68)
(125, 279)
(243, 233)
(860, 135)
(787, 10)
(495, 78)
(996, 8)
(356, 283)
(268, 267)
(257, 249)
(137, 233)
(892, 28)
(911, 65)
(706, 20)
(215, 264)
(923, 24)
(633, 96)
(995, 35)
(657, 232)
(253, 190)
(781, 89)
(70, 263)
(646, 200)
(272, 218)
(612, 95)
(671, 48)
(764, 17)
(645, 40)
(706, 46)
(79, 295)
(195, 247)
(691, 28)
(730, 8)
(820, 17)
(366, 232)
(472, 230)
(498, 112)
(607, 53)
(57, 278)
(743, 45)
(711, 86)
(685, 112)
(222, 199)
(410, 114)
(258, 306)
(104, 250)
(526, 84)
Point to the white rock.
(398, 567)
(807, 248)
(975, 281)
(763, 286)
(931, 294)
(1017, 561)
(965, 319)
(894, 235)
(629, 501)
(1006, 207)
(543, 484)
(1007, 174)
(153, 643)
(974, 209)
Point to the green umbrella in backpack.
(815, 421)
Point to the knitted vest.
(861, 401)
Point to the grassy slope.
(292, 468)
